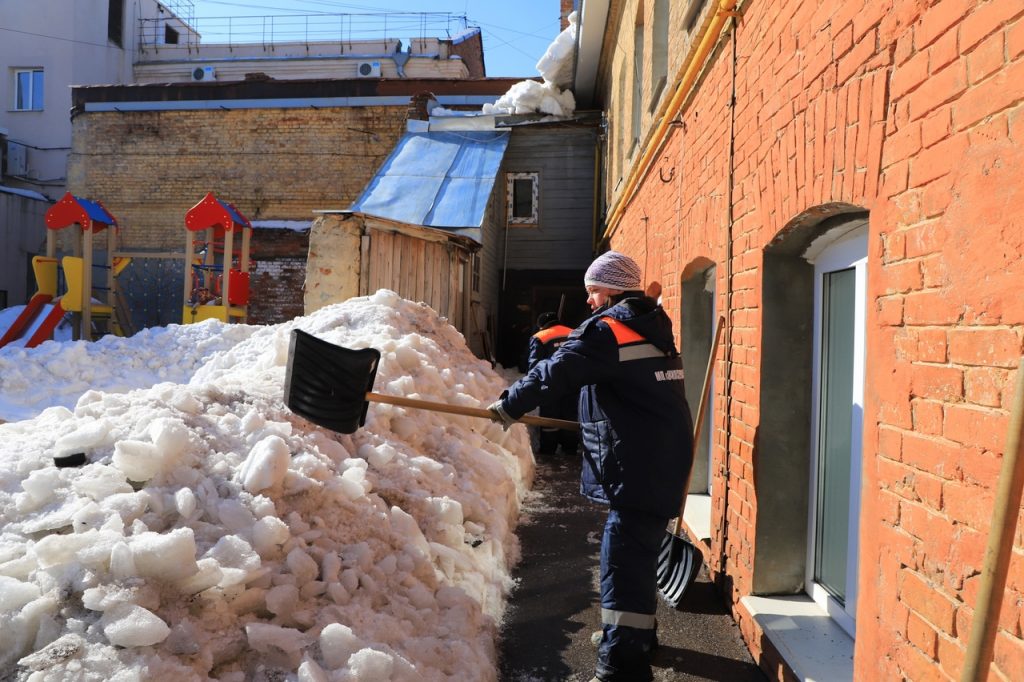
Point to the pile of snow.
(551, 97)
(212, 533)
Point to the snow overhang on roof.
(439, 179)
(594, 18)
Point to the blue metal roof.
(439, 179)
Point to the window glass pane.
(522, 198)
(37, 90)
(22, 86)
(834, 442)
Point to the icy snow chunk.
(209, 574)
(65, 648)
(14, 593)
(100, 481)
(139, 460)
(282, 600)
(377, 455)
(370, 664)
(337, 643)
(309, 671)
(232, 551)
(268, 534)
(122, 563)
(447, 509)
(131, 625)
(262, 636)
(91, 434)
(185, 502)
(41, 484)
(357, 475)
(302, 566)
(556, 63)
(234, 515)
(266, 464)
(169, 556)
(170, 436)
(56, 550)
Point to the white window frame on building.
(30, 79)
(840, 281)
(515, 217)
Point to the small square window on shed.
(522, 198)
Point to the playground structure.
(209, 294)
(91, 217)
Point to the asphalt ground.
(555, 607)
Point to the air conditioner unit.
(204, 73)
(368, 70)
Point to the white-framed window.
(837, 399)
(522, 199)
(28, 89)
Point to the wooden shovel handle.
(698, 422)
(468, 411)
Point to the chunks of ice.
(91, 434)
(130, 625)
(302, 566)
(185, 501)
(377, 455)
(56, 550)
(231, 551)
(337, 643)
(282, 600)
(100, 481)
(170, 436)
(266, 464)
(168, 556)
(139, 460)
(14, 593)
(234, 515)
(62, 649)
(209, 574)
(268, 534)
(262, 636)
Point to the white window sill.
(697, 517)
(811, 643)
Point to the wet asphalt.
(554, 609)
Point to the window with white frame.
(28, 89)
(522, 199)
(836, 425)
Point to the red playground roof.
(212, 212)
(71, 209)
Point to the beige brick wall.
(148, 168)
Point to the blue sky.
(515, 34)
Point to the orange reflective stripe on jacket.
(623, 334)
(632, 346)
(558, 331)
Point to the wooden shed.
(355, 254)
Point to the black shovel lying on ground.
(679, 561)
(331, 386)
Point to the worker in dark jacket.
(637, 446)
(550, 336)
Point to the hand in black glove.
(499, 414)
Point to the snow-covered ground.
(213, 534)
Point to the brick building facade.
(744, 155)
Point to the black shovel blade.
(327, 384)
(679, 563)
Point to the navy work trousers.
(629, 594)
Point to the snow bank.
(214, 534)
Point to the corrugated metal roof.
(437, 179)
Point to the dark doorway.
(526, 295)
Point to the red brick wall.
(278, 275)
(914, 111)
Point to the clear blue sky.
(516, 32)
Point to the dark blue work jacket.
(636, 426)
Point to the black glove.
(499, 414)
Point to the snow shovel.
(679, 561)
(331, 386)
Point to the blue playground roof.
(440, 179)
(95, 212)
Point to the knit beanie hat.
(613, 270)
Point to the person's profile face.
(598, 296)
